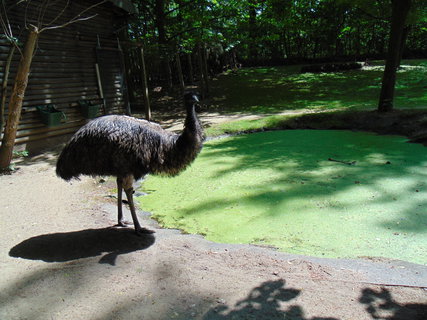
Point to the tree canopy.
(273, 30)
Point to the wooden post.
(101, 91)
(16, 99)
(179, 70)
(145, 87)
(98, 75)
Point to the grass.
(274, 92)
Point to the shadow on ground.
(61, 247)
(266, 302)
(263, 302)
(381, 305)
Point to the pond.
(313, 192)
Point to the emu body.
(129, 148)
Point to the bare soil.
(60, 259)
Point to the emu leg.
(121, 222)
(128, 187)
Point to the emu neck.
(192, 124)
(192, 136)
(186, 147)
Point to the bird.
(129, 148)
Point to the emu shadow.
(263, 302)
(381, 305)
(61, 247)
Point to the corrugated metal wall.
(63, 69)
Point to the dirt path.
(209, 118)
(59, 260)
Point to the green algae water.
(313, 192)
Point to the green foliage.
(19, 154)
(279, 29)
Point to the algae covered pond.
(312, 192)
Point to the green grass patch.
(279, 189)
(278, 89)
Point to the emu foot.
(122, 224)
(143, 231)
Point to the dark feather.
(120, 145)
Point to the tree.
(273, 31)
(400, 10)
(34, 29)
(16, 98)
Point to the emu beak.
(197, 104)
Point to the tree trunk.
(4, 85)
(128, 56)
(400, 10)
(16, 99)
(205, 68)
(253, 54)
(160, 21)
(201, 73)
(190, 68)
(402, 43)
(168, 73)
(358, 42)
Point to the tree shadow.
(11, 295)
(263, 302)
(280, 188)
(307, 154)
(61, 247)
(381, 305)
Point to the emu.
(129, 148)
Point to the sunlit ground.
(279, 189)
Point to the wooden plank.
(31, 101)
(45, 129)
(62, 86)
(61, 93)
(49, 134)
(36, 123)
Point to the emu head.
(192, 99)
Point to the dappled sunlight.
(325, 193)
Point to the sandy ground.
(59, 259)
